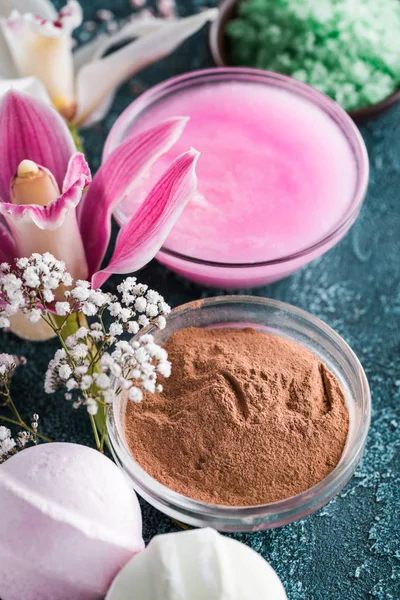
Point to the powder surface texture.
(246, 418)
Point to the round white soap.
(68, 523)
(197, 565)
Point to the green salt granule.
(348, 49)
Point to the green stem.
(77, 139)
(11, 404)
(104, 428)
(25, 426)
(95, 433)
(64, 327)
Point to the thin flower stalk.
(9, 445)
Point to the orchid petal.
(27, 85)
(99, 47)
(31, 130)
(77, 169)
(52, 216)
(141, 238)
(115, 179)
(7, 244)
(40, 8)
(7, 67)
(102, 43)
(97, 79)
(52, 228)
(43, 49)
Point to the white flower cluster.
(29, 285)
(10, 446)
(7, 444)
(8, 364)
(92, 378)
(136, 307)
(96, 366)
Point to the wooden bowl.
(218, 48)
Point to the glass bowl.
(280, 319)
(213, 273)
(219, 51)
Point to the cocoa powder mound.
(246, 418)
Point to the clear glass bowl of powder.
(293, 324)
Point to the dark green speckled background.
(350, 550)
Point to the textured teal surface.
(350, 550)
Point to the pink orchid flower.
(50, 203)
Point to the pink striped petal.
(115, 178)
(77, 168)
(35, 131)
(141, 238)
(7, 244)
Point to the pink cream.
(275, 177)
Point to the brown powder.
(246, 418)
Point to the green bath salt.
(348, 49)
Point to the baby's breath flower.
(48, 295)
(8, 364)
(64, 371)
(143, 321)
(115, 309)
(133, 327)
(135, 394)
(35, 315)
(7, 443)
(71, 384)
(116, 329)
(80, 293)
(66, 280)
(161, 322)
(86, 382)
(81, 333)
(89, 309)
(79, 351)
(103, 381)
(71, 341)
(91, 406)
(140, 304)
(63, 308)
(4, 433)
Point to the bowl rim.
(314, 497)
(215, 36)
(331, 108)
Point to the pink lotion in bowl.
(281, 178)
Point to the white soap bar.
(68, 523)
(197, 565)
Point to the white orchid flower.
(36, 55)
